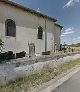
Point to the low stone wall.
(21, 67)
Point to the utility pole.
(45, 37)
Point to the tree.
(1, 45)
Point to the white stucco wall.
(57, 35)
(26, 30)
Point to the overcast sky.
(67, 12)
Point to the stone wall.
(21, 67)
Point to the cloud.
(71, 2)
(68, 31)
(77, 39)
(62, 35)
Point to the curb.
(54, 83)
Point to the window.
(10, 28)
(40, 32)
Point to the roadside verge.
(54, 83)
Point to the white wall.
(26, 30)
(57, 34)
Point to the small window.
(40, 32)
(10, 28)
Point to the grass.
(76, 48)
(25, 83)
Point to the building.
(57, 35)
(21, 26)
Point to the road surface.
(72, 85)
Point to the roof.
(59, 25)
(27, 9)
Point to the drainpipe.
(45, 37)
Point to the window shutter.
(11, 28)
(40, 32)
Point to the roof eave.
(59, 25)
(28, 9)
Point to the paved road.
(72, 85)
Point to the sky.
(67, 12)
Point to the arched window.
(40, 32)
(10, 28)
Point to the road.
(72, 85)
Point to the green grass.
(25, 83)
